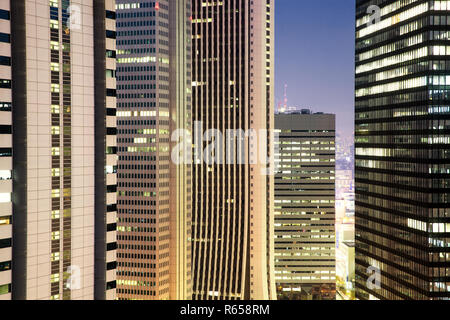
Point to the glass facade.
(403, 150)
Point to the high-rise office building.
(57, 161)
(305, 260)
(232, 77)
(154, 84)
(402, 149)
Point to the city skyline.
(314, 43)
(224, 154)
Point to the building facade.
(57, 230)
(154, 84)
(305, 260)
(402, 149)
(232, 78)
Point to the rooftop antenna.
(277, 111)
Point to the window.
(5, 197)
(55, 193)
(5, 84)
(5, 175)
(4, 289)
(111, 246)
(5, 129)
(111, 54)
(56, 172)
(111, 285)
(55, 214)
(110, 73)
(5, 266)
(55, 130)
(5, 220)
(110, 14)
(111, 265)
(4, 37)
(55, 109)
(5, 243)
(5, 106)
(54, 277)
(4, 14)
(54, 66)
(5, 61)
(5, 152)
(110, 34)
(55, 235)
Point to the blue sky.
(315, 56)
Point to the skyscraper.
(232, 78)
(305, 259)
(402, 149)
(57, 161)
(154, 101)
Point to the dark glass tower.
(403, 149)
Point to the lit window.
(55, 193)
(55, 214)
(54, 277)
(5, 174)
(5, 197)
(55, 235)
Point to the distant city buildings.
(344, 183)
(402, 150)
(345, 245)
(305, 206)
(345, 268)
(344, 152)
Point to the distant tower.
(304, 208)
(285, 98)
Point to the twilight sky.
(315, 56)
